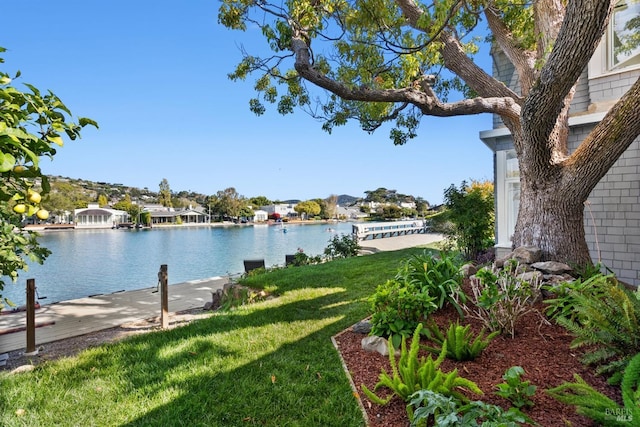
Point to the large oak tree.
(398, 60)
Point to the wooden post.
(164, 296)
(31, 316)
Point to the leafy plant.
(600, 408)
(440, 276)
(470, 212)
(459, 341)
(606, 322)
(411, 374)
(398, 308)
(343, 246)
(501, 298)
(564, 294)
(514, 389)
(445, 411)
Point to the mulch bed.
(540, 347)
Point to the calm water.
(88, 262)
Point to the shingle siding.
(612, 214)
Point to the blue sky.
(153, 74)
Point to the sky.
(153, 74)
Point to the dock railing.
(380, 230)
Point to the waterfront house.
(94, 216)
(612, 217)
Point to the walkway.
(81, 316)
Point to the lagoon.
(90, 262)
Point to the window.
(623, 38)
(508, 196)
(620, 47)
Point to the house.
(260, 215)
(188, 215)
(94, 216)
(612, 217)
(284, 210)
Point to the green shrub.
(410, 374)
(439, 276)
(444, 411)
(564, 296)
(607, 323)
(343, 246)
(501, 298)
(398, 308)
(514, 389)
(459, 341)
(470, 216)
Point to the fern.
(609, 324)
(411, 374)
(459, 341)
(588, 401)
(595, 405)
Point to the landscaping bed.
(540, 347)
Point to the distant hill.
(88, 191)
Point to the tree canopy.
(395, 61)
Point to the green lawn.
(267, 364)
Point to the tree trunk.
(551, 219)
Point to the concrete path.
(78, 317)
(399, 242)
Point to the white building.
(94, 216)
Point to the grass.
(267, 364)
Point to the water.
(89, 262)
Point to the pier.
(381, 230)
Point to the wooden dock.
(381, 230)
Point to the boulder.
(363, 327)
(375, 343)
(468, 270)
(527, 254)
(552, 267)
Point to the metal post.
(31, 316)
(164, 296)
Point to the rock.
(552, 267)
(363, 327)
(468, 270)
(527, 254)
(375, 343)
(25, 368)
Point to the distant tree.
(259, 201)
(123, 204)
(307, 208)
(164, 195)
(103, 200)
(32, 126)
(331, 206)
(230, 203)
(379, 195)
(422, 206)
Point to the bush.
(398, 307)
(470, 216)
(607, 322)
(438, 276)
(501, 298)
(343, 246)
